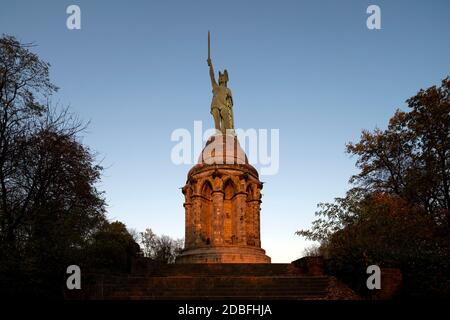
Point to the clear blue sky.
(137, 70)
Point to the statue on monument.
(222, 193)
(222, 101)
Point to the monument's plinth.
(222, 206)
(224, 254)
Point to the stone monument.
(222, 193)
(222, 258)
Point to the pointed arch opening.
(228, 210)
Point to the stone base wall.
(311, 265)
(224, 254)
(391, 284)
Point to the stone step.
(226, 281)
(145, 266)
(293, 295)
(220, 289)
(291, 287)
(219, 293)
(206, 281)
(233, 298)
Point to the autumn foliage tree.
(411, 157)
(398, 213)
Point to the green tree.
(51, 213)
(24, 88)
(160, 248)
(111, 249)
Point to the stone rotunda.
(222, 206)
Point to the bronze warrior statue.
(222, 101)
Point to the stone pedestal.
(224, 254)
(222, 206)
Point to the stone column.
(256, 212)
(234, 222)
(241, 203)
(249, 221)
(217, 218)
(189, 224)
(196, 218)
(253, 206)
(256, 217)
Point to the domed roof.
(223, 149)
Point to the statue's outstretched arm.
(211, 74)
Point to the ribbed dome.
(223, 149)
